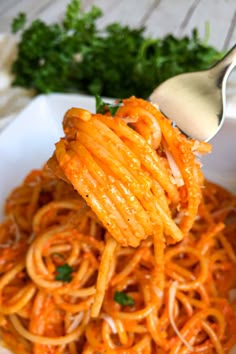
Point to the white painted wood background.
(158, 16)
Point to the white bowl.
(220, 165)
(28, 142)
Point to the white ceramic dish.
(29, 140)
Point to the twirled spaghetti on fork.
(118, 245)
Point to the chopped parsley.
(104, 107)
(116, 61)
(18, 22)
(123, 299)
(64, 273)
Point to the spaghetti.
(118, 245)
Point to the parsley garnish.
(116, 61)
(103, 107)
(100, 105)
(123, 299)
(18, 22)
(64, 273)
(113, 109)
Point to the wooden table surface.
(158, 16)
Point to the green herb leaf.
(123, 299)
(18, 22)
(100, 105)
(72, 11)
(64, 273)
(103, 107)
(114, 108)
(75, 56)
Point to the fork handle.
(221, 70)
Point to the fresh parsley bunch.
(74, 56)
